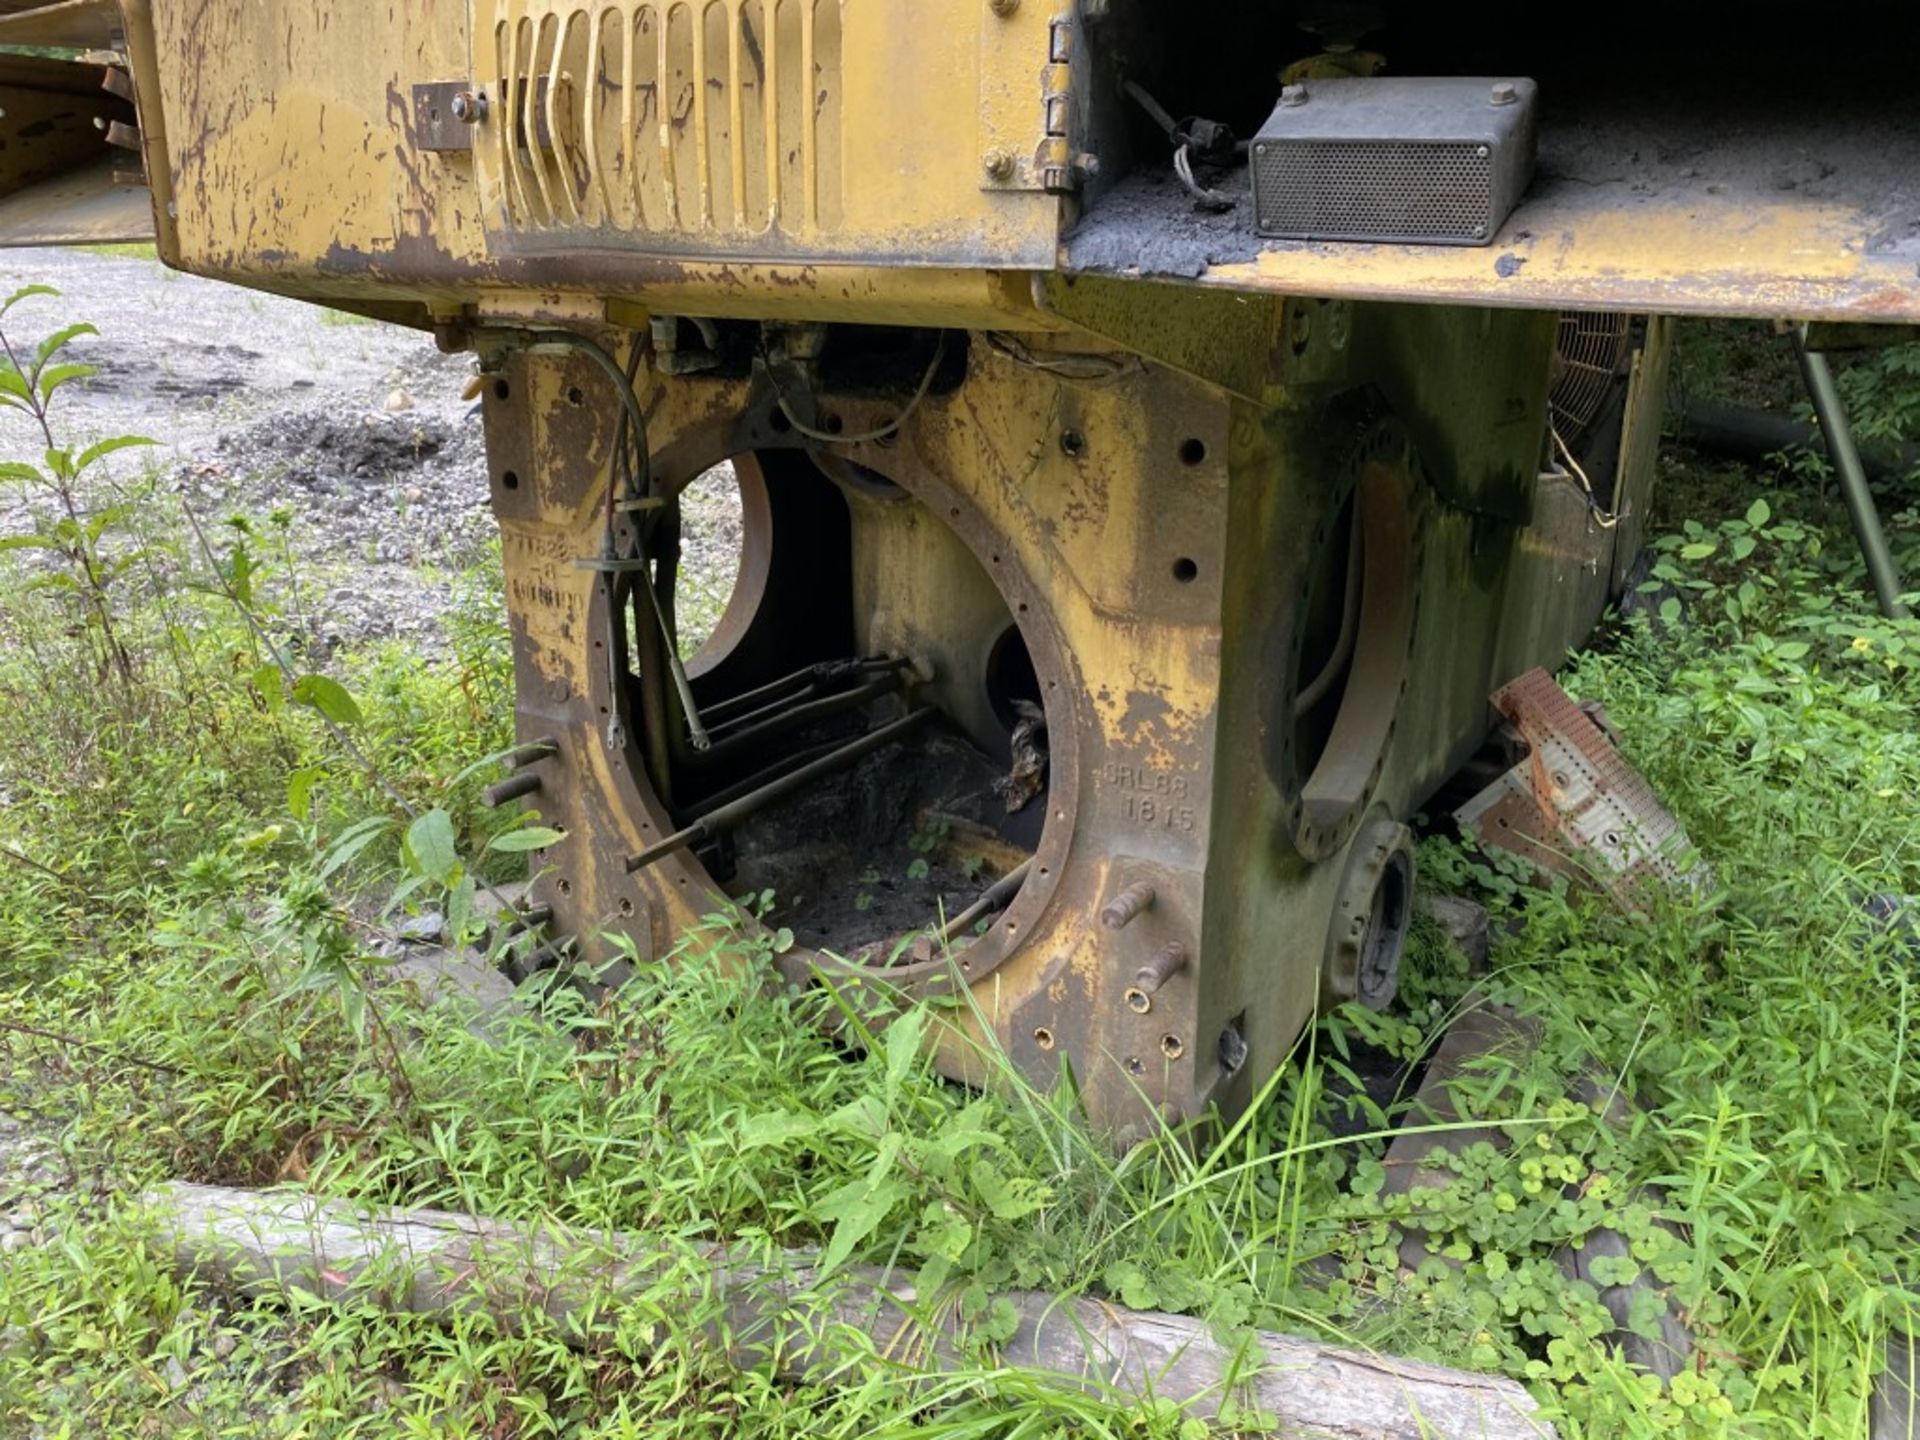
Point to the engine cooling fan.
(1589, 359)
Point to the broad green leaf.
(300, 790)
(26, 292)
(518, 842)
(271, 684)
(329, 697)
(107, 447)
(60, 339)
(1759, 513)
(856, 1210)
(1792, 650)
(1007, 1199)
(1670, 610)
(54, 376)
(903, 1048)
(1698, 550)
(460, 910)
(27, 542)
(15, 471)
(431, 847)
(777, 1127)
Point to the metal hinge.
(1013, 156)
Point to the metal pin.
(1171, 960)
(521, 756)
(1126, 907)
(494, 796)
(531, 918)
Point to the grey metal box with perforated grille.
(1421, 161)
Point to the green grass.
(1765, 1032)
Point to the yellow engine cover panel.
(889, 131)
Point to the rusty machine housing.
(1117, 581)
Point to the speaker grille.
(1373, 190)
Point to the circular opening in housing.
(864, 695)
(501, 390)
(1193, 451)
(1011, 678)
(1186, 571)
(510, 480)
(713, 548)
(1073, 444)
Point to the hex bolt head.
(469, 107)
(1000, 164)
(1503, 93)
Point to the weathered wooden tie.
(783, 1314)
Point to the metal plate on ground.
(1575, 806)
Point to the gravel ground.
(29, 1170)
(261, 403)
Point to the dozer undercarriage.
(1138, 508)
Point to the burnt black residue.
(881, 851)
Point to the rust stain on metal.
(1574, 806)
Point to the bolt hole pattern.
(1186, 570)
(1193, 451)
(626, 907)
(1043, 1037)
(1073, 444)
(510, 480)
(501, 390)
(565, 887)
(576, 397)
(1172, 1046)
(1135, 1065)
(1139, 1001)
